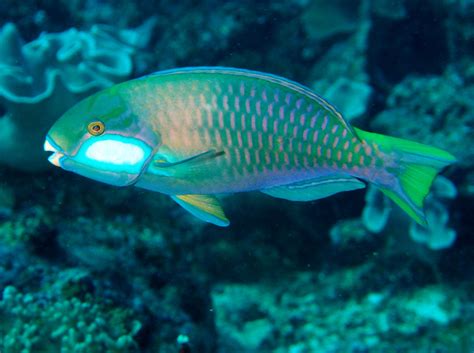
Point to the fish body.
(193, 133)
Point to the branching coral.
(34, 324)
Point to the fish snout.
(55, 158)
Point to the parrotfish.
(194, 133)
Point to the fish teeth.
(48, 147)
(55, 158)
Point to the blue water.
(88, 267)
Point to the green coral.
(31, 323)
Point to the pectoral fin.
(162, 162)
(314, 189)
(167, 164)
(205, 207)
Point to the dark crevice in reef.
(416, 43)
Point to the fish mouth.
(55, 158)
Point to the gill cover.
(103, 139)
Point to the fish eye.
(96, 128)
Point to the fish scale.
(192, 133)
(283, 132)
(287, 131)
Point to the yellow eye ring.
(96, 128)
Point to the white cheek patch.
(115, 152)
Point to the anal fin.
(314, 189)
(204, 207)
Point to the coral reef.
(441, 105)
(86, 267)
(324, 19)
(376, 211)
(124, 262)
(32, 323)
(309, 312)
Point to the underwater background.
(87, 267)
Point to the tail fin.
(418, 165)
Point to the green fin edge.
(419, 164)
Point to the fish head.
(102, 138)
